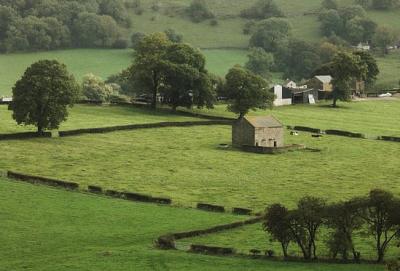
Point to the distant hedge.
(42, 180)
(25, 135)
(210, 207)
(142, 126)
(212, 250)
(390, 138)
(344, 133)
(307, 129)
(241, 211)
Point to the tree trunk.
(155, 91)
(241, 115)
(284, 250)
(40, 128)
(334, 102)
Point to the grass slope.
(47, 229)
(373, 117)
(187, 165)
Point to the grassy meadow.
(187, 165)
(49, 229)
(373, 117)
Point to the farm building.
(283, 95)
(290, 84)
(304, 96)
(321, 83)
(261, 131)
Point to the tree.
(383, 38)
(271, 34)
(246, 91)
(260, 62)
(385, 4)
(92, 30)
(278, 225)
(380, 210)
(186, 81)
(136, 38)
(173, 35)
(305, 222)
(330, 4)
(331, 22)
(42, 95)
(146, 73)
(263, 9)
(343, 218)
(345, 68)
(372, 67)
(198, 11)
(360, 30)
(95, 89)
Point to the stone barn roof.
(264, 122)
(324, 78)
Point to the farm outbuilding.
(283, 95)
(261, 131)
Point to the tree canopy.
(42, 95)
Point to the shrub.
(214, 22)
(393, 266)
(95, 89)
(270, 253)
(211, 250)
(136, 38)
(263, 9)
(198, 11)
(173, 35)
(120, 44)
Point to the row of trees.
(52, 24)
(169, 72)
(376, 216)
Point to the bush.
(214, 22)
(136, 38)
(198, 11)
(393, 266)
(120, 44)
(173, 35)
(263, 9)
(95, 89)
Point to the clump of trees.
(263, 9)
(52, 24)
(170, 72)
(42, 95)
(375, 215)
(198, 11)
(95, 89)
(379, 4)
(350, 23)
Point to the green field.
(187, 165)
(91, 116)
(49, 229)
(373, 118)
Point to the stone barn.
(263, 131)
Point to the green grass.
(373, 117)
(48, 229)
(187, 165)
(89, 116)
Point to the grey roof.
(324, 78)
(264, 122)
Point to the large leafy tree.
(271, 34)
(383, 38)
(176, 71)
(246, 91)
(346, 68)
(42, 95)
(260, 62)
(277, 224)
(147, 70)
(372, 67)
(380, 210)
(186, 81)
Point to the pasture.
(97, 233)
(187, 165)
(91, 116)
